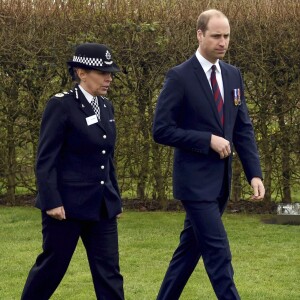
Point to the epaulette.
(60, 95)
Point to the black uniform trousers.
(60, 238)
(203, 235)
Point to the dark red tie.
(217, 94)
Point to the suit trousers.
(60, 238)
(203, 235)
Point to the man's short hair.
(205, 16)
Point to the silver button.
(102, 182)
(104, 136)
(102, 167)
(103, 151)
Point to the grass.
(266, 257)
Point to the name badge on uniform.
(91, 120)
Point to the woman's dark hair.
(74, 75)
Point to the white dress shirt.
(206, 66)
(87, 95)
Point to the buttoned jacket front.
(186, 116)
(74, 165)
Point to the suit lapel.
(206, 88)
(227, 97)
(104, 113)
(86, 107)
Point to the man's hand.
(258, 189)
(220, 145)
(57, 213)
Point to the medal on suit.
(237, 97)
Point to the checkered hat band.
(96, 62)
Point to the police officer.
(78, 192)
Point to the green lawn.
(266, 257)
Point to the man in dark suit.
(202, 113)
(78, 192)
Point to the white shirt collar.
(206, 65)
(86, 94)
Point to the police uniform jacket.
(74, 165)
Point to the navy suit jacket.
(186, 116)
(74, 165)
